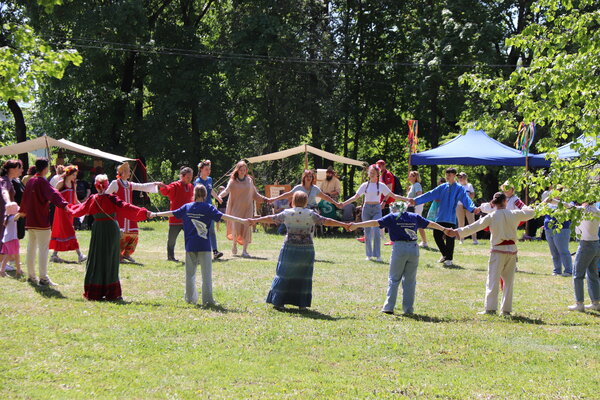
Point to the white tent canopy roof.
(43, 142)
(306, 149)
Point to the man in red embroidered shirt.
(180, 192)
(35, 204)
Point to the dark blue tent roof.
(476, 148)
(567, 150)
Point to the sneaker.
(389, 312)
(461, 241)
(379, 259)
(82, 258)
(129, 258)
(390, 243)
(217, 254)
(442, 259)
(594, 306)
(475, 242)
(367, 258)
(46, 282)
(577, 307)
(9, 268)
(423, 244)
(361, 239)
(487, 312)
(505, 313)
(33, 281)
(448, 263)
(245, 254)
(567, 274)
(556, 274)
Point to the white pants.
(192, 259)
(461, 213)
(39, 239)
(501, 265)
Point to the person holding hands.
(402, 227)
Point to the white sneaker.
(423, 244)
(442, 259)
(448, 263)
(577, 307)
(82, 258)
(367, 258)
(594, 306)
(379, 259)
(475, 242)
(9, 268)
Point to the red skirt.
(11, 247)
(63, 233)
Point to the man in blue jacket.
(448, 194)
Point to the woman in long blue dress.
(293, 281)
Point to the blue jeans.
(212, 235)
(403, 267)
(586, 261)
(372, 235)
(559, 249)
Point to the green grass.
(57, 345)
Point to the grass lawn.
(154, 345)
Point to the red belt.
(506, 243)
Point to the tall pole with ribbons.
(525, 137)
(413, 140)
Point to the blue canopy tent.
(477, 148)
(567, 151)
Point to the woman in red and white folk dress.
(124, 191)
(63, 236)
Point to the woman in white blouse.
(372, 189)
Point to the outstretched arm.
(163, 214)
(231, 218)
(267, 218)
(286, 195)
(365, 224)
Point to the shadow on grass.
(312, 314)
(453, 266)
(424, 318)
(251, 257)
(525, 320)
(214, 307)
(218, 308)
(430, 249)
(530, 273)
(47, 291)
(324, 261)
(146, 228)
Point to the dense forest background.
(177, 81)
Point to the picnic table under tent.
(45, 142)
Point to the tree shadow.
(312, 314)
(47, 291)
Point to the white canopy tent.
(44, 142)
(305, 148)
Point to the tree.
(25, 60)
(559, 90)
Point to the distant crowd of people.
(47, 209)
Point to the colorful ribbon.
(525, 137)
(413, 131)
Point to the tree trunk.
(20, 130)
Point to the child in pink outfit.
(10, 246)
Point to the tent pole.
(305, 156)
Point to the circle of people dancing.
(24, 206)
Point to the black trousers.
(443, 242)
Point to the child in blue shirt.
(197, 217)
(402, 227)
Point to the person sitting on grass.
(293, 281)
(402, 227)
(197, 217)
(503, 225)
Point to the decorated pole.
(525, 137)
(413, 140)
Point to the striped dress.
(293, 280)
